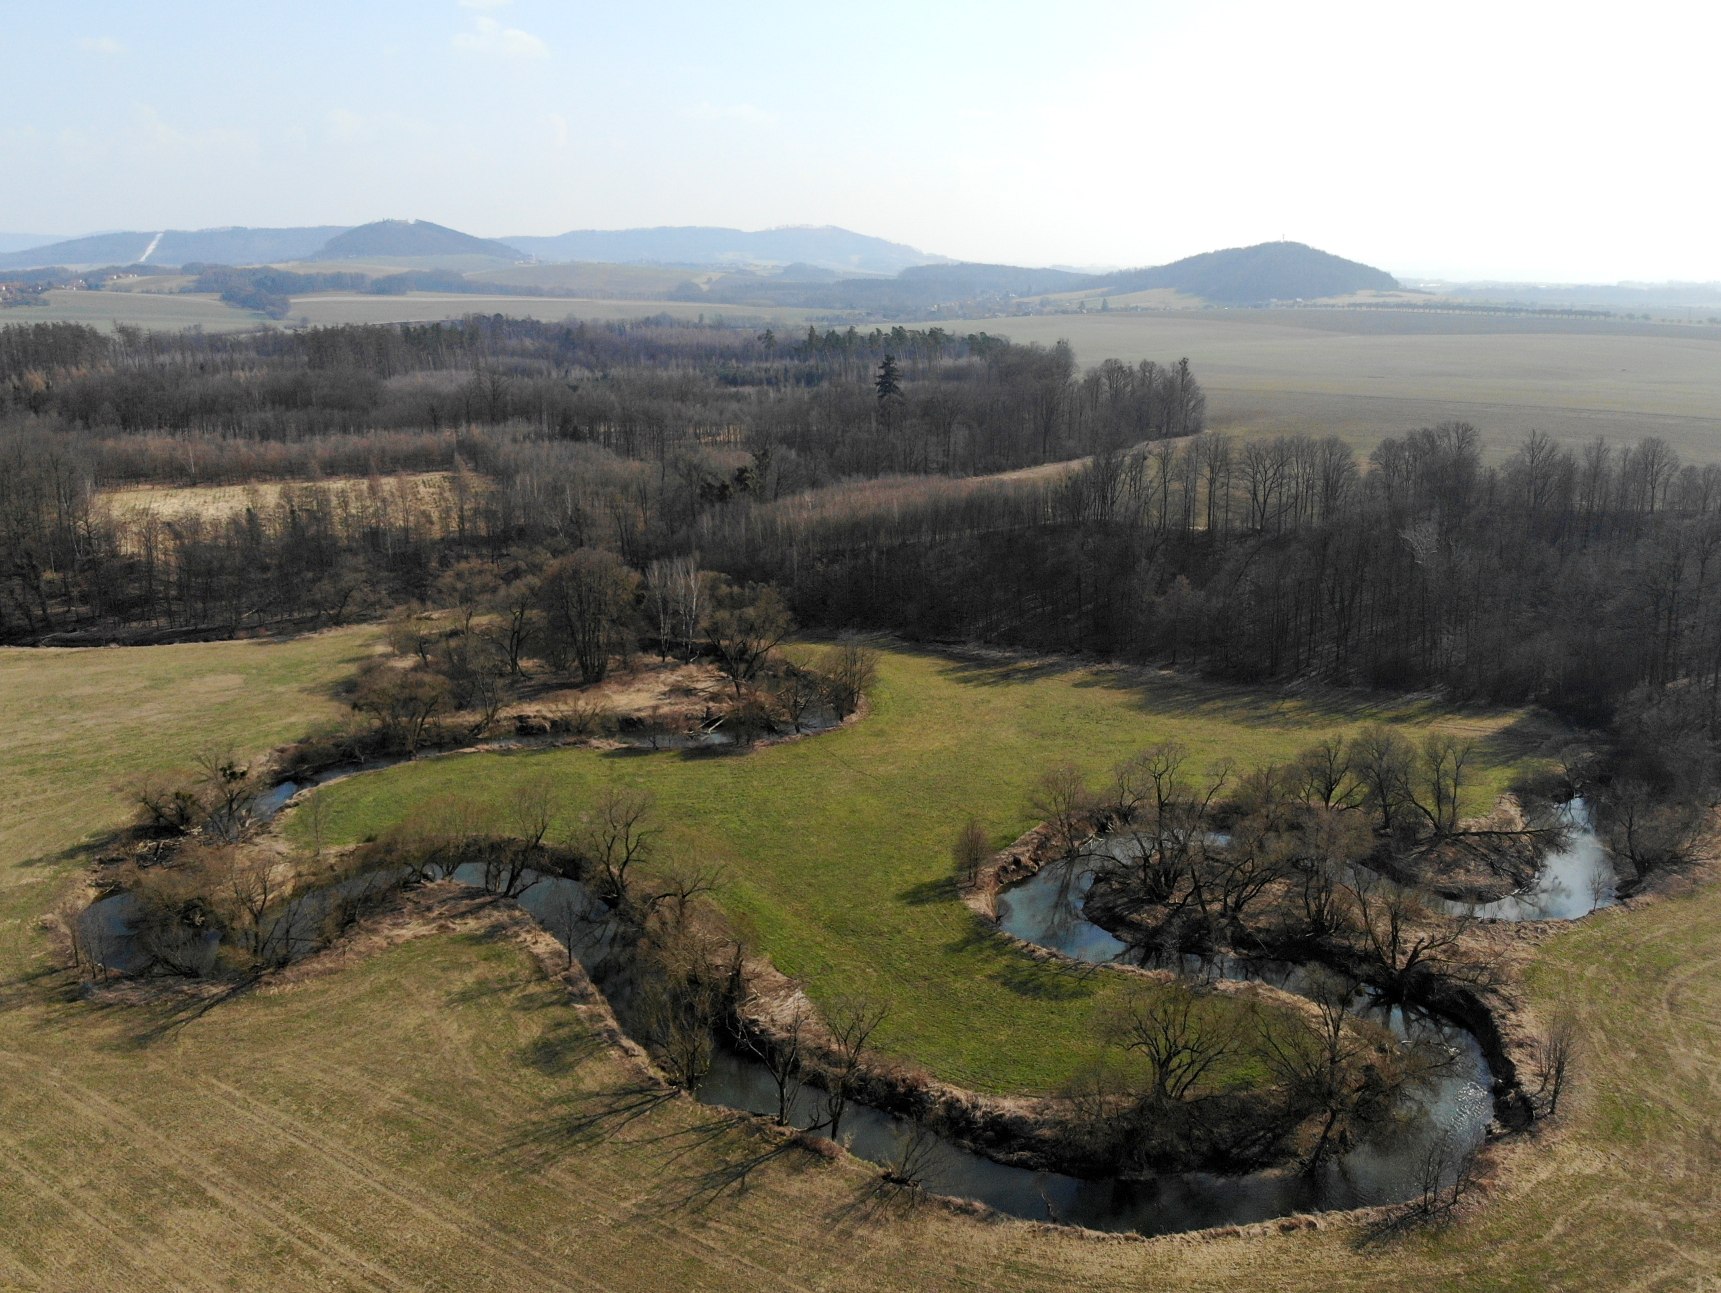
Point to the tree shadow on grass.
(1025, 975)
(162, 1022)
(486, 989)
(1047, 980)
(683, 1152)
(877, 1201)
(83, 851)
(1528, 735)
(59, 982)
(700, 1188)
(563, 1048)
(586, 1118)
(1010, 673)
(928, 893)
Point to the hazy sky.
(1563, 142)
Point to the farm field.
(1364, 375)
(136, 309)
(174, 313)
(438, 1117)
(837, 850)
(601, 279)
(419, 307)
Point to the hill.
(825, 247)
(393, 239)
(228, 246)
(1268, 271)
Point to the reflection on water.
(1575, 879)
(1381, 1171)
(1046, 909)
(1453, 1111)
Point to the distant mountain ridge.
(823, 267)
(229, 246)
(824, 247)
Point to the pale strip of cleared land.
(218, 502)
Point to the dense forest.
(872, 477)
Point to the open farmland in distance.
(138, 309)
(421, 307)
(1358, 374)
(1366, 374)
(170, 313)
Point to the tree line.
(1569, 577)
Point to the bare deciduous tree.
(794, 691)
(1346, 1073)
(969, 851)
(531, 815)
(1552, 1064)
(1179, 1035)
(617, 835)
(230, 790)
(849, 669)
(1381, 759)
(1327, 776)
(744, 627)
(782, 1056)
(1062, 800)
(1443, 760)
(852, 1022)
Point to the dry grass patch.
(432, 490)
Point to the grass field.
(1364, 375)
(837, 849)
(432, 1118)
(81, 723)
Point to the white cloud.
(490, 37)
(100, 45)
(483, 4)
